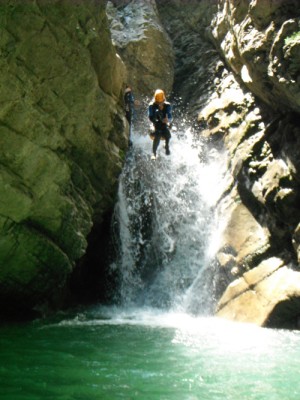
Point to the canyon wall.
(243, 83)
(143, 44)
(259, 41)
(63, 140)
(64, 136)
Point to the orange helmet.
(159, 96)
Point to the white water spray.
(166, 220)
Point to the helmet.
(159, 96)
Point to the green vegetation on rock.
(295, 37)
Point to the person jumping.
(160, 114)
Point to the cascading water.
(166, 220)
(150, 346)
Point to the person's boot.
(153, 157)
(167, 150)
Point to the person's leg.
(155, 143)
(167, 136)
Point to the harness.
(160, 128)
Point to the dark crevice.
(92, 279)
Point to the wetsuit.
(156, 116)
(129, 104)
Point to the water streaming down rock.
(165, 215)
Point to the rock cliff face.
(143, 45)
(244, 85)
(260, 43)
(64, 136)
(62, 141)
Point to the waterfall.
(166, 220)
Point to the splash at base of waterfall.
(132, 353)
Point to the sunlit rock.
(277, 191)
(268, 295)
(260, 42)
(227, 113)
(244, 238)
(258, 208)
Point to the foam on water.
(214, 335)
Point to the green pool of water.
(108, 354)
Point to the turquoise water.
(110, 353)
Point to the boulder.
(244, 239)
(268, 295)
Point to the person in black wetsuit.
(129, 108)
(129, 103)
(160, 114)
